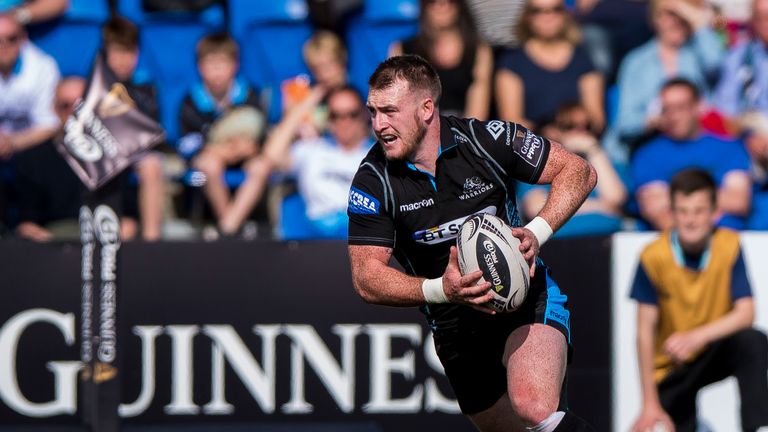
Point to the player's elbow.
(591, 176)
(363, 290)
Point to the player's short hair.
(121, 32)
(324, 43)
(219, 43)
(413, 69)
(692, 180)
(682, 82)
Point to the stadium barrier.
(269, 333)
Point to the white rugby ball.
(486, 243)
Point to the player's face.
(12, 36)
(397, 121)
(693, 216)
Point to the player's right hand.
(653, 419)
(463, 289)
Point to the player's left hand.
(529, 246)
(681, 346)
(465, 289)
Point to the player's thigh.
(536, 356)
(498, 418)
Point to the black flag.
(107, 132)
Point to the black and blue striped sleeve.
(370, 219)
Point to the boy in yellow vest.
(695, 315)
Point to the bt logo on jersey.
(445, 231)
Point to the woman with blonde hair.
(549, 69)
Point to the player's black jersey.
(394, 204)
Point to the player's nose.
(378, 122)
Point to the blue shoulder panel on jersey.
(362, 203)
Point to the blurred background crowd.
(263, 104)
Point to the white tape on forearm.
(433, 291)
(540, 228)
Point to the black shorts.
(472, 351)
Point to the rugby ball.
(486, 243)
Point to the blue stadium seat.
(272, 36)
(611, 104)
(759, 218)
(294, 224)
(373, 31)
(74, 38)
(168, 43)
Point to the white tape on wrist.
(540, 228)
(433, 291)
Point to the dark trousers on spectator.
(743, 355)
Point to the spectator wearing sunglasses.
(549, 69)
(324, 166)
(28, 80)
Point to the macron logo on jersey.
(362, 203)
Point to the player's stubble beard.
(411, 142)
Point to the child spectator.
(121, 52)
(326, 57)
(222, 127)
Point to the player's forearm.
(570, 187)
(377, 283)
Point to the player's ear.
(428, 108)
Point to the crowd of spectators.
(642, 89)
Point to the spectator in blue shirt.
(683, 145)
